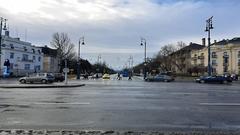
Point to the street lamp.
(2, 20)
(144, 42)
(81, 42)
(208, 29)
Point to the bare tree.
(180, 45)
(65, 49)
(163, 58)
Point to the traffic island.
(53, 85)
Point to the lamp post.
(208, 29)
(81, 42)
(144, 42)
(2, 20)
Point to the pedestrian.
(118, 76)
(130, 76)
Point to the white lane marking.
(220, 104)
(74, 103)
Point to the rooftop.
(227, 41)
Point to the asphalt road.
(123, 105)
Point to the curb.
(42, 86)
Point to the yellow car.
(106, 77)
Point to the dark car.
(59, 77)
(214, 79)
(159, 78)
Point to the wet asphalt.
(123, 105)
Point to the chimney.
(215, 41)
(7, 33)
(204, 41)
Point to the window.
(25, 48)
(11, 45)
(39, 51)
(238, 54)
(27, 66)
(238, 62)
(3, 45)
(37, 68)
(214, 62)
(25, 57)
(33, 50)
(214, 55)
(34, 58)
(11, 55)
(39, 59)
(225, 54)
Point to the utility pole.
(2, 28)
(208, 29)
(144, 42)
(81, 42)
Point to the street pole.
(208, 29)
(145, 56)
(79, 59)
(4, 28)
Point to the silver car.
(37, 78)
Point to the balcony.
(200, 57)
(214, 56)
(194, 58)
(27, 60)
(225, 64)
(225, 56)
(214, 64)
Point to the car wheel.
(44, 81)
(22, 81)
(202, 81)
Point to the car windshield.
(119, 67)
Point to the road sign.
(66, 70)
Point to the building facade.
(182, 58)
(51, 63)
(23, 56)
(225, 57)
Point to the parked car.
(234, 77)
(106, 77)
(96, 76)
(214, 79)
(37, 78)
(159, 78)
(58, 77)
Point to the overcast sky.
(117, 25)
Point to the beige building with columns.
(225, 57)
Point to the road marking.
(74, 103)
(220, 104)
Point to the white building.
(23, 56)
